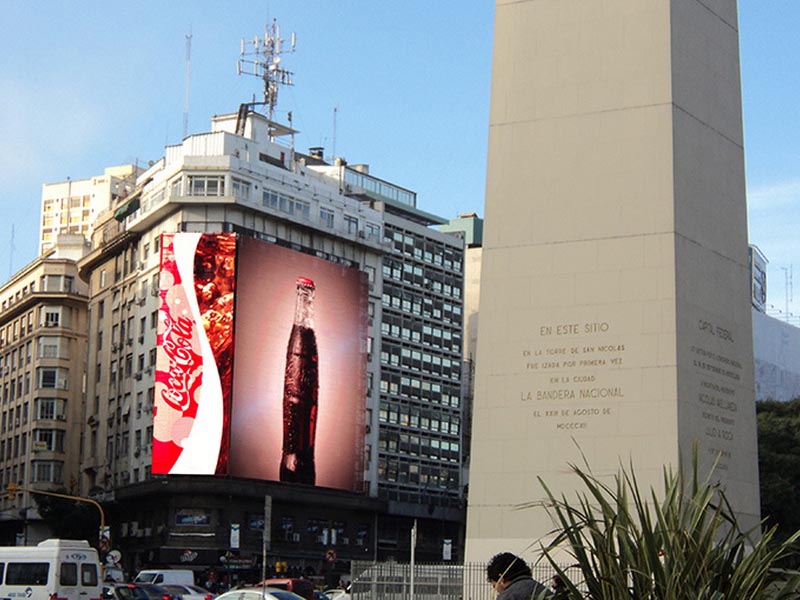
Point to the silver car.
(259, 594)
(183, 591)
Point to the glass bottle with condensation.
(300, 390)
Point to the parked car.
(123, 591)
(321, 595)
(156, 592)
(298, 585)
(302, 587)
(162, 576)
(259, 594)
(337, 594)
(182, 591)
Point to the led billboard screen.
(261, 363)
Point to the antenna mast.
(11, 253)
(186, 86)
(265, 58)
(333, 151)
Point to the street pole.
(413, 552)
(265, 538)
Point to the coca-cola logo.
(178, 348)
(188, 556)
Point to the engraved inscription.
(573, 363)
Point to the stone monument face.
(614, 307)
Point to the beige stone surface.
(614, 321)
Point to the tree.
(779, 464)
(684, 545)
(69, 519)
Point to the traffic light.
(12, 491)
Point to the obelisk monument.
(614, 308)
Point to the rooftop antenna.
(333, 151)
(11, 253)
(264, 55)
(186, 80)
(788, 295)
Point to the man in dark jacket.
(511, 578)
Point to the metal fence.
(393, 581)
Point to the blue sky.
(85, 85)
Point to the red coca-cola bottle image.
(300, 389)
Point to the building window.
(206, 185)
(291, 206)
(269, 199)
(326, 217)
(50, 408)
(52, 378)
(175, 188)
(51, 318)
(241, 189)
(49, 347)
(351, 224)
(48, 439)
(373, 231)
(47, 471)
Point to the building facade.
(71, 207)
(244, 177)
(42, 369)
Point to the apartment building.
(42, 367)
(70, 207)
(245, 177)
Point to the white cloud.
(776, 196)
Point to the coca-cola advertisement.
(261, 364)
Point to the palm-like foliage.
(633, 545)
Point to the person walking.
(512, 579)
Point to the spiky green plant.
(687, 545)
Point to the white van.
(52, 570)
(159, 576)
